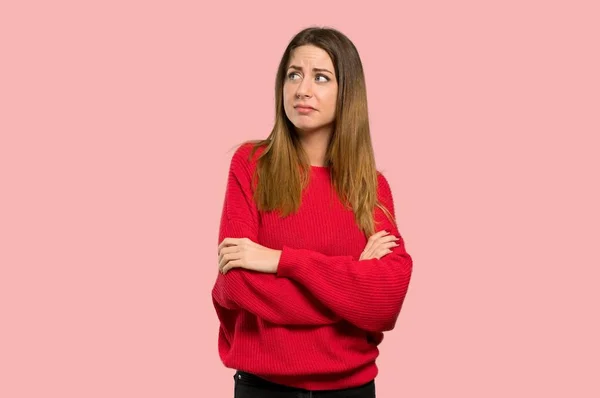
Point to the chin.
(303, 127)
(299, 124)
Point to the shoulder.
(246, 155)
(383, 186)
(384, 192)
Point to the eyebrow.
(314, 69)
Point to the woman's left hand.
(244, 253)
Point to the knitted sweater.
(317, 323)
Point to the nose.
(304, 89)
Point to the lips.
(304, 108)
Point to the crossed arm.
(308, 287)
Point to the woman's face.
(310, 90)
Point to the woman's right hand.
(378, 245)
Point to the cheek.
(331, 100)
(286, 100)
(288, 95)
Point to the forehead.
(310, 56)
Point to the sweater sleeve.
(277, 300)
(366, 293)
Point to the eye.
(323, 78)
(292, 75)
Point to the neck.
(315, 145)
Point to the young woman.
(312, 267)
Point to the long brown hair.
(349, 156)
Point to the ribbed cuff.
(287, 263)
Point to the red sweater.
(316, 324)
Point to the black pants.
(250, 386)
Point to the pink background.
(117, 120)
